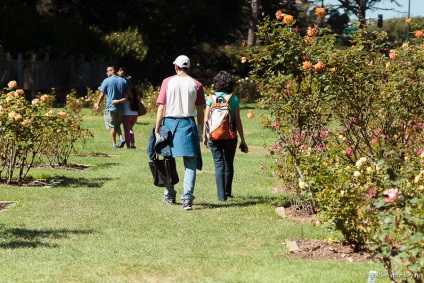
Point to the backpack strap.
(214, 97)
(228, 97)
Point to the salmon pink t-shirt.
(181, 95)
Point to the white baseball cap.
(182, 61)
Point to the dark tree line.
(199, 29)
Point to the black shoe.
(187, 205)
(168, 200)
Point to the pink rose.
(350, 152)
(12, 84)
(392, 194)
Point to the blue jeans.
(223, 153)
(189, 180)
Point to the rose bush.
(349, 130)
(31, 131)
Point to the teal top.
(234, 101)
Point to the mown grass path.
(108, 224)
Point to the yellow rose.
(302, 184)
(12, 114)
(243, 60)
(357, 174)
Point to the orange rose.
(17, 117)
(279, 15)
(311, 32)
(44, 97)
(419, 33)
(408, 21)
(243, 60)
(333, 70)
(288, 20)
(12, 84)
(392, 54)
(319, 66)
(320, 12)
(25, 123)
(307, 65)
(250, 114)
(61, 114)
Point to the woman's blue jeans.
(223, 152)
(189, 180)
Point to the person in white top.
(129, 118)
(180, 99)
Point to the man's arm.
(200, 117)
(159, 118)
(99, 100)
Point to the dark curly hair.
(223, 82)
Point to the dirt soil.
(326, 250)
(4, 205)
(321, 249)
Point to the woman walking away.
(224, 150)
(130, 110)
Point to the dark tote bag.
(164, 171)
(141, 109)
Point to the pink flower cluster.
(392, 194)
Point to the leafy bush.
(349, 132)
(127, 43)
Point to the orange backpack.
(220, 125)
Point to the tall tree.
(360, 7)
(253, 23)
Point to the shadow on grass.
(236, 202)
(20, 238)
(82, 182)
(61, 181)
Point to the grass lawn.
(108, 224)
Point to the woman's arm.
(240, 127)
(207, 112)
